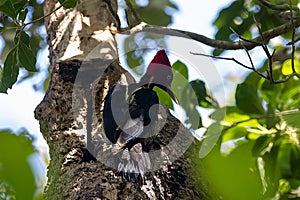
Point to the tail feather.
(134, 163)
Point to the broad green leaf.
(15, 168)
(293, 119)
(68, 3)
(26, 57)
(179, 67)
(247, 99)
(287, 67)
(200, 90)
(22, 15)
(24, 38)
(10, 72)
(8, 9)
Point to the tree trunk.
(84, 65)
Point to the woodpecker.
(130, 115)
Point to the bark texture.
(84, 65)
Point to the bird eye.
(169, 77)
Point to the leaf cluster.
(20, 22)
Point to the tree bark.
(84, 65)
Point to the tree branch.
(282, 7)
(218, 44)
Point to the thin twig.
(223, 58)
(248, 54)
(218, 44)
(43, 17)
(245, 39)
(266, 50)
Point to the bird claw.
(117, 148)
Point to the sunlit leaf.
(287, 67)
(284, 186)
(163, 97)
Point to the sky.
(16, 108)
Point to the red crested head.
(159, 60)
(159, 73)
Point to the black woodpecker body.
(130, 116)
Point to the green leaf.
(247, 99)
(234, 133)
(24, 38)
(163, 97)
(154, 13)
(68, 3)
(1, 29)
(180, 68)
(235, 176)
(200, 90)
(8, 9)
(219, 114)
(295, 160)
(180, 79)
(22, 15)
(287, 67)
(293, 119)
(10, 72)
(261, 144)
(212, 136)
(26, 57)
(15, 168)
